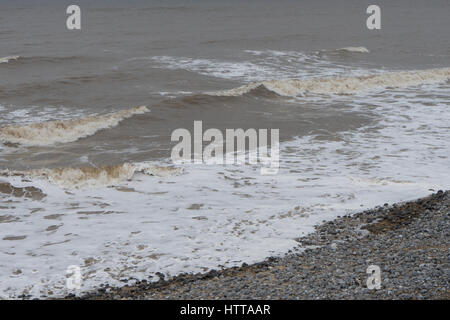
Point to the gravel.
(408, 241)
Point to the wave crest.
(355, 49)
(85, 177)
(9, 58)
(342, 85)
(51, 132)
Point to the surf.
(342, 85)
(9, 58)
(89, 177)
(52, 132)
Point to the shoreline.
(409, 241)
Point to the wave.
(49, 59)
(84, 177)
(215, 68)
(342, 85)
(9, 58)
(354, 49)
(51, 132)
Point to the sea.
(87, 116)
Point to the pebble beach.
(408, 241)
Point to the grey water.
(166, 54)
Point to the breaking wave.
(51, 132)
(85, 177)
(342, 85)
(355, 49)
(9, 58)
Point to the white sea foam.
(14, 114)
(9, 58)
(355, 49)
(215, 68)
(343, 85)
(256, 65)
(62, 131)
(90, 177)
